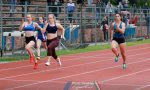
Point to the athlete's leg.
(29, 49)
(44, 45)
(50, 47)
(38, 47)
(114, 46)
(123, 53)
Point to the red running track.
(84, 67)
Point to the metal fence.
(86, 20)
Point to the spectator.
(90, 2)
(71, 9)
(56, 9)
(50, 3)
(145, 9)
(125, 4)
(98, 7)
(53, 6)
(134, 20)
(148, 25)
(61, 1)
(80, 1)
(13, 6)
(120, 7)
(23, 2)
(109, 8)
(105, 27)
(147, 18)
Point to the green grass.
(99, 47)
(75, 51)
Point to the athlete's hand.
(118, 28)
(63, 37)
(22, 20)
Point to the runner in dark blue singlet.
(118, 38)
(41, 38)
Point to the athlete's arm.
(60, 27)
(37, 26)
(44, 28)
(121, 30)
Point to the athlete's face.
(51, 18)
(41, 20)
(117, 17)
(29, 18)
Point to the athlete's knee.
(123, 53)
(113, 48)
(38, 47)
(27, 48)
(50, 47)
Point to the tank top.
(51, 29)
(29, 27)
(117, 34)
(39, 31)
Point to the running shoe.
(59, 61)
(31, 59)
(38, 58)
(35, 65)
(124, 66)
(117, 58)
(47, 63)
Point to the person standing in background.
(13, 5)
(90, 2)
(108, 9)
(98, 7)
(120, 7)
(70, 9)
(50, 3)
(105, 28)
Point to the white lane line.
(127, 75)
(98, 70)
(77, 58)
(142, 87)
(69, 67)
(111, 84)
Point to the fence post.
(95, 24)
(65, 16)
(81, 27)
(47, 11)
(26, 7)
(140, 23)
(1, 21)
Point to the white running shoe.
(38, 58)
(47, 63)
(59, 62)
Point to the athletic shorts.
(53, 40)
(43, 39)
(119, 40)
(28, 39)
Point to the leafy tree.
(139, 3)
